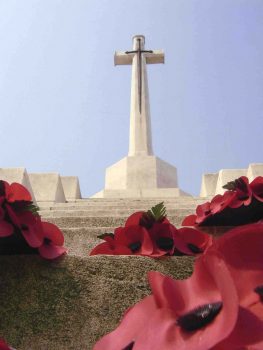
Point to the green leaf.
(231, 186)
(158, 212)
(103, 235)
(33, 208)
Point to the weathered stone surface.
(70, 303)
(71, 187)
(97, 221)
(208, 186)
(254, 170)
(47, 187)
(105, 213)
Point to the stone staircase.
(71, 302)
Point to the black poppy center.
(194, 249)
(47, 241)
(165, 243)
(243, 197)
(129, 347)
(259, 291)
(135, 246)
(199, 317)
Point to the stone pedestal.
(141, 176)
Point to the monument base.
(141, 176)
(142, 193)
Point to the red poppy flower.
(257, 188)
(141, 218)
(16, 192)
(109, 247)
(196, 242)
(242, 249)
(189, 220)
(194, 314)
(136, 238)
(130, 240)
(220, 202)
(243, 192)
(203, 212)
(165, 239)
(31, 228)
(53, 241)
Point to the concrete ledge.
(47, 187)
(71, 187)
(70, 303)
(98, 221)
(212, 183)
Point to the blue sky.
(64, 107)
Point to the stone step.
(115, 207)
(70, 303)
(105, 213)
(80, 241)
(145, 204)
(98, 221)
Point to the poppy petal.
(51, 251)
(53, 233)
(6, 229)
(17, 192)
(130, 327)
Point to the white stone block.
(71, 187)
(208, 186)
(254, 170)
(18, 175)
(47, 187)
(140, 172)
(227, 175)
(141, 176)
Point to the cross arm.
(157, 56)
(121, 58)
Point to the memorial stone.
(140, 174)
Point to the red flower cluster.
(21, 228)
(219, 307)
(241, 204)
(151, 234)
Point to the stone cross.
(140, 121)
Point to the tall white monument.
(140, 174)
